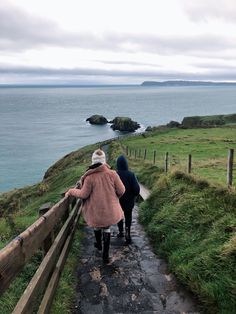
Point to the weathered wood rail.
(18, 252)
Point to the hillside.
(186, 83)
(208, 147)
(208, 121)
(190, 219)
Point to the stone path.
(135, 281)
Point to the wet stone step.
(135, 280)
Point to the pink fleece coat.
(101, 190)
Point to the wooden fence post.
(230, 167)
(189, 163)
(154, 156)
(166, 162)
(50, 238)
(145, 154)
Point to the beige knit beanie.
(98, 156)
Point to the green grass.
(208, 147)
(193, 225)
(65, 293)
(190, 222)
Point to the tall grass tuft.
(193, 225)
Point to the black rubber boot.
(98, 237)
(121, 229)
(106, 245)
(127, 235)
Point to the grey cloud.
(19, 28)
(72, 72)
(128, 62)
(20, 31)
(214, 66)
(183, 44)
(203, 10)
(78, 73)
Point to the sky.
(116, 41)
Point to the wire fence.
(188, 163)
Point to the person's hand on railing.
(67, 194)
(72, 192)
(78, 184)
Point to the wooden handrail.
(52, 285)
(15, 255)
(42, 274)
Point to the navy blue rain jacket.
(130, 182)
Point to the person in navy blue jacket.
(132, 190)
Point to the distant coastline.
(169, 83)
(187, 83)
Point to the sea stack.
(97, 119)
(124, 124)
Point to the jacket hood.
(122, 163)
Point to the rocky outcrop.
(198, 122)
(97, 119)
(124, 124)
(156, 128)
(208, 121)
(173, 124)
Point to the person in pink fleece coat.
(100, 188)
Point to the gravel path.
(135, 280)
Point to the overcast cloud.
(206, 10)
(196, 42)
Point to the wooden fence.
(55, 240)
(136, 153)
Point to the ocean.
(39, 125)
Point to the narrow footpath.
(135, 280)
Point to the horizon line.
(111, 85)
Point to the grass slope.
(193, 225)
(191, 220)
(208, 147)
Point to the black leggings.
(128, 217)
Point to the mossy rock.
(97, 119)
(124, 124)
(173, 124)
(208, 121)
(230, 118)
(201, 122)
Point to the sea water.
(39, 125)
